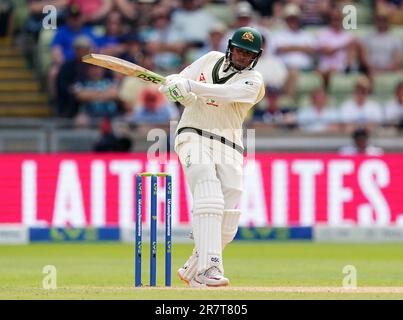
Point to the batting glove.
(176, 89)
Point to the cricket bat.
(123, 66)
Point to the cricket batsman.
(217, 91)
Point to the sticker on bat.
(146, 77)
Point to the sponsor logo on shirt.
(212, 103)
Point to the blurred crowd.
(166, 35)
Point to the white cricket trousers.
(204, 158)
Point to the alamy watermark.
(350, 278)
(349, 17)
(49, 282)
(49, 22)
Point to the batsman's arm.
(244, 90)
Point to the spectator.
(383, 49)
(244, 18)
(111, 42)
(272, 114)
(144, 11)
(127, 8)
(295, 47)
(319, 116)
(134, 48)
(163, 42)
(270, 13)
(33, 24)
(6, 9)
(216, 35)
(97, 96)
(93, 11)
(338, 49)
(124, 144)
(154, 109)
(130, 88)
(361, 111)
(393, 7)
(314, 12)
(71, 72)
(62, 44)
(192, 15)
(138, 12)
(264, 7)
(109, 142)
(272, 69)
(394, 108)
(360, 145)
(244, 14)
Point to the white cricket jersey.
(220, 100)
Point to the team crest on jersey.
(212, 103)
(248, 36)
(202, 78)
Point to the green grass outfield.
(271, 270)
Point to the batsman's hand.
(176, 89)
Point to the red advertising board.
(279, 190)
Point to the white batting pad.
(208, 209)
(229, 227)
(190, 266)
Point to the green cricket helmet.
(248, 39)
